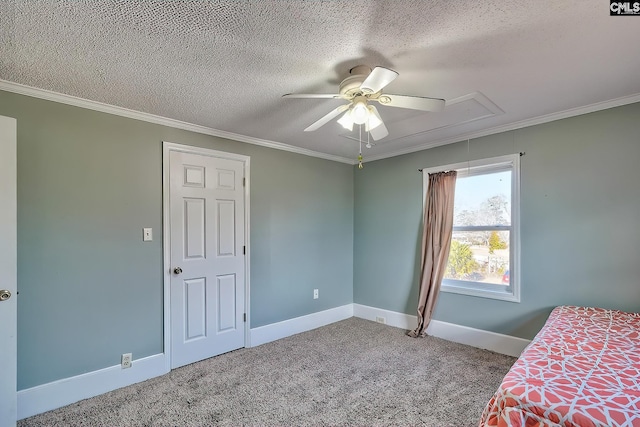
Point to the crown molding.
(159, 120)
(177, 124)
(572, 112)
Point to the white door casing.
(207, 263)
(8, 271)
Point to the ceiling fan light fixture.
(346, 121)
(359, 111)
(373, 121)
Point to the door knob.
(177, 270)
(4, 295)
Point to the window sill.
(482, 293)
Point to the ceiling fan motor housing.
(351, 85)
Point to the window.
(484, 256)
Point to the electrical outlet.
(315, 294)
(380, 319)
(126, 360)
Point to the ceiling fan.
(362, 87)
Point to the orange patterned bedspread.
(582, 369)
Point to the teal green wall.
(90, 289)
(580, 208)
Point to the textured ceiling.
(225, 64)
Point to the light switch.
(147, 234)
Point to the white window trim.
(471, 168)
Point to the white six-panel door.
(207, 266)
(8, 272)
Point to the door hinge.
(244, 317)
(244, 250)
(244, 182)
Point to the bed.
(582, 369)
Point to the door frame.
(9, 174)
(167, 148)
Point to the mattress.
(582, 369)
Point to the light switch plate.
(147, 234)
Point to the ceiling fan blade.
(379, 131)
(333, 113)
(313, 95)
(412, 102)
(377, 79)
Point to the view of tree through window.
(481, 233)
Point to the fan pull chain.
(360, 165)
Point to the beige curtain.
(436, 241)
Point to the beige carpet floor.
(353, 372)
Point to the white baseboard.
(392, 318)
(56, 394)
(500, 343)
(276, 331)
